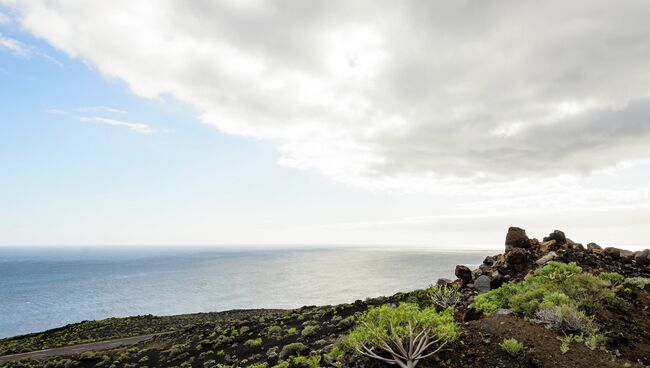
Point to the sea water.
(42, 288)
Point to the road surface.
(76, 349)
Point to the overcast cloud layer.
(386, 94)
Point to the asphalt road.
(76, 349)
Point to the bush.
(614, 278)
(294, 349)
(253, 343)
(405, 329)
(639, 282)
(445, 296)
(309, 330)
(566, 318)
(512, 346)
(553, 285)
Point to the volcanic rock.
(516, 238)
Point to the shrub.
(445, 296)
(566, 318)
(291, 331)
(275, 331)
(421, 297)
(253, 343)
(309, 330)
(293, 349)
(259, 365)
(403, 334)
(553, 285)
(614, 278)
(639, 282)
(512, 346)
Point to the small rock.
(443, 281)
(613, 252)
(642, 258)
(272, 358)
(489, 261)
(556, 235)
(548, 246)
(482, 283)
(594, 248)
(463, 273)
(516, 238)
(627, 256)
(517, 256)
(549, 257)
(502, 312)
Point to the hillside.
(565, 304)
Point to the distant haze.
(413, 123)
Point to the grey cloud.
(379, 89)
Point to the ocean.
(43, 288)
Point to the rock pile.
(522, 255)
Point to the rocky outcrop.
(516, 238)
(523, 254)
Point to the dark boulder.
(516, 238)
(556, 235)
(517, 256)
(642, 258)
(615, 253)
(489, 261)
(627, 256)
(482, 283)
(443, 282)
(464, 274)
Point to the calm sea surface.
(46, 288)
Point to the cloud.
(3, 18)
(102, 109)
(136, 127)
(141, 128)
(14, 46)
(386, 95)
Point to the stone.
(595, 248)
(489, 261)
(272, 358)
(579, 247)
(443, 282)
(497, 280)
(627, 256)
(516, 238)
(642, 258)
(485, 269)
(547, 258)
(464, 274)
(517, 256)
(502, 312)
(482, 283)
(556, 235)
(613, 252)
(548, 246)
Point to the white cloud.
(14, 46)
(414, 95)
(101, 109)
(136, 127)
(3, 18)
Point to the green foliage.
(253, 343)
(291, 331)
(552, 285)
(639, 282)
(293, 349)
(445, 296)
(275, 331)
(309, 330)
(376, 324)
(614, 278)
(421, 297)
(259, 365)
(512, 346)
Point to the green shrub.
(291, 331)
(512, 346)
(253, 343)
(402, 328)
(293, 349)
(566, 318)
(552, 285)
(639, 282)
(275, 331)
(445, 296)
(614, 278)
(259, 365)
(309, 330)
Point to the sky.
(415, 123)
